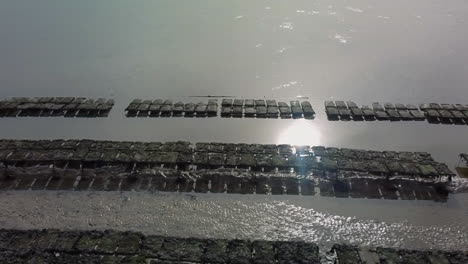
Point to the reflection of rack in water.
(129, 177)
(462, 166)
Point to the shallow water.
(367, 51)
(321, 220)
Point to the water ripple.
(224, 216)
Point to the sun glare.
(300, 132)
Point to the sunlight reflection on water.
(301, 132)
